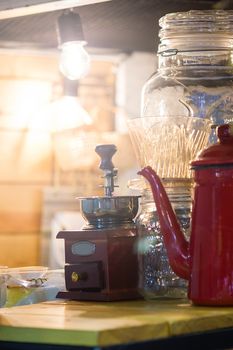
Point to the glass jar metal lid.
(197, 26)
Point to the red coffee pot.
(207, 261)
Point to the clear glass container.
(195, 68)
(156, 278)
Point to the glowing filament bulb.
(74, 60)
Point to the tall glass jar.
(195, 67)
(156, 278)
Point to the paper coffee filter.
(168, 144)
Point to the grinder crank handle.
(106, 153)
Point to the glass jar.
(195, 68)
(156, 278)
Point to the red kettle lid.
(220, 153)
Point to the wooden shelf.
(106, 324)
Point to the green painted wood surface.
(103, 324)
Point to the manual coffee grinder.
(101, 259)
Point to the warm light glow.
(21, 99)
(65, 113)
(74, 60)
(66, 119)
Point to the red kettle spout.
(174, 240)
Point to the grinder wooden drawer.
(85, 276)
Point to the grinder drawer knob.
(75, 277)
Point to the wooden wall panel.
(26, 156)
(19, 250)
(20, 208)
(28, 83)
(29, 65)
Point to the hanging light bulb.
(74, 59)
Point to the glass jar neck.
(178, 191)
(218, 61)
